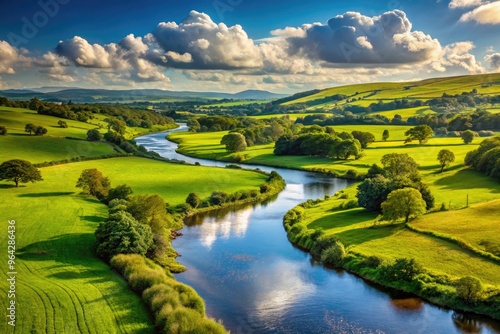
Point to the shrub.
(402, 270)
(194, 200)
(3, 130)
(372, 261)
(218, 198)
(469, 289)
(334, 254)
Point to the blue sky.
(231, 45)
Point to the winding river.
(254, 280)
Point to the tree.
(3, 130)
(150, 210)
(403, 203)
(469, 288)
(194, 200)
(62, 124)
(94, 135)
(117, 124)
(193, 125)
(468, 136)
(422, 133)
(30, 127)
(345, 148)
(120, 192)
(445, 157)
(373, 192)
(385, 135)
(235, 142)
(19, 171)
(364, 138)
(40, 131)
(34, 104)
(93, 182)
(122, 234)
(400, 165)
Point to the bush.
(218, 198)
(401, 270)
(94, 135)
(3, 130)
(194, 200)
(334, 254)
(372, 261)
(469, 289)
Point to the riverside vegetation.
(63, 285)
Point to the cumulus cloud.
(493, 61)
(11, 57)
(458, 55)
(358, 39)
(464, 3)
(485, 14)
(199, 43)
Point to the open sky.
(233, 45)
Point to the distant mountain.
(257, 95)
(82, 95)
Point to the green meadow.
(62, 287)
(207, 145)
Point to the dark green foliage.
(486, 158)
(117, 125)
(193, 200)
(469, 289)
(373, 192)
(3, 130)
(62, 124)
(94, 135)
(401, 270)
(372, 261)
(468, 136)
(120, 192)
(218, 198)
(150, 210)
(40, 131)
(17, 170)
(403, 203)
(122, 234)
(422, 133)
(375, 170)
(385, 135)
(193, 125)
(93, 182)
(235, 142)
(364, 138)
(36, 129)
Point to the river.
(254, 280)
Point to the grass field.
(355, 229)
(207, 145)
(62, 287)
(426, 89)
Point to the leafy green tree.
(468, 136)
(122, 234)
(385, 135)
(372, 192)
(235, 142)
(375, 170)
(403, 203)
(445, 158)
(93, 182)
(422, 133)
(117, 124)
(94, 135)
(364, 138)
(193, 125)
(194, 200)
(401, 270)
(344, 149)
(40, 131)
(469, 289)
(120, 192)
(3, 130)
(400, 165)
(34, 104)
(19, 171)
(30, 128)
(62, 124)
(150, 210)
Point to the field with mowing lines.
(61, 286)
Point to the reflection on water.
(250, 276)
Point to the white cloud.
(493, 61)
(464, 3)
(458, 55)
(11, 57)
(353, 38)
(211, 45)
(484, 14)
